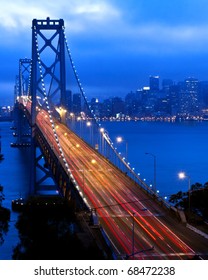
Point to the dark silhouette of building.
(77, 103)
(69, 100)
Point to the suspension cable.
(51, 118)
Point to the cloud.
(156, 37)
(5, 88)
(102, 20)
(96, 10)
(188, 38)
(18, 14)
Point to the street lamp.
(183, 175)
(154, 169)
(102, 130)
(79, 119)
(119, 139)
(90, 125)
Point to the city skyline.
(115, 44)
(159, 98)
(186, 99)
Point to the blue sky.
(116, 44)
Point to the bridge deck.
(128, 215)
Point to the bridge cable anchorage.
(68, 170)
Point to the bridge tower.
(22, 91)
(48, 56)
(48, 79)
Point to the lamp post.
(62, 112)
(102, 130)
(155, 170)
(119, 139)
(183, 175)
(89, 124)
(79, 119)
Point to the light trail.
(113, 194)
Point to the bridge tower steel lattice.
(21, 91)
(48, 57)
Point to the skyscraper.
(154, 83)
(192, 90)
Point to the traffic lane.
(136, 219)
(160, 236)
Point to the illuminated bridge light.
(81, 194)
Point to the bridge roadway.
(127, 214)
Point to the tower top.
(47, 23)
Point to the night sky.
(115, 44)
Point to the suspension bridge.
(72, 154)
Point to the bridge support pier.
(22, 129)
